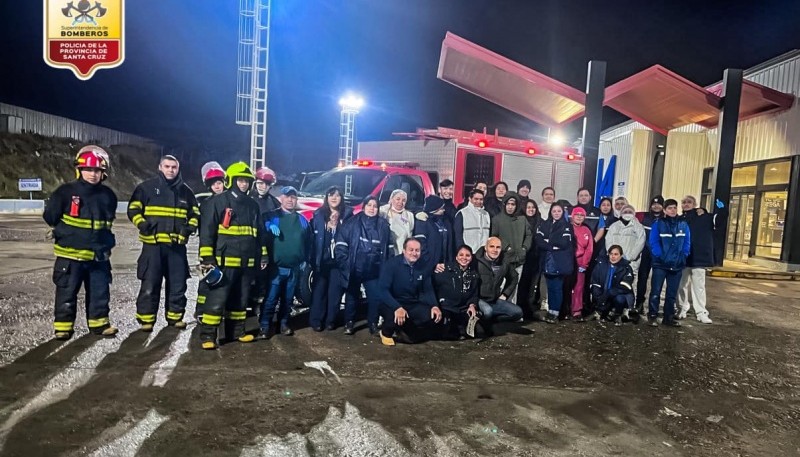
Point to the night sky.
(178, 82)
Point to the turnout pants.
(228, 299)
(95, 277)
(159, 262)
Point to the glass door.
(772, 218)
(740, 228)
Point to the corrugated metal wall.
(61, 127)
(687, 155)
(634, 163)
(429, 154)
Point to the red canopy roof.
(507, 83)
(657, 97)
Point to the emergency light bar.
(363, 163)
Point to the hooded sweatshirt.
(515, 233)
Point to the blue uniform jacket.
(670, 243)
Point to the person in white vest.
(473, 222)
(401, 220)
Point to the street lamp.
(556, 139)
(350, 104)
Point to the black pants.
(159, 262)
(418, 326)
(641, 281)
(68, 276)
(455, 322)
(528, 285)
(228, 298)
(326, 297)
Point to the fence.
(19, 206)
(56, 126)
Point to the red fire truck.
(467, 157)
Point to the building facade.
(764, 224)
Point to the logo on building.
(84, 36)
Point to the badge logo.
(84, 36)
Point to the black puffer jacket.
(702, 226)
(456, 289)
(492, 274)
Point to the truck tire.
(304, 287)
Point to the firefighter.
(166, 213)
(233, 239)
(214, 179)
(265, 179)
(80, 214)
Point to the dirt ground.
(590, 389)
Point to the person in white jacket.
(629, 234)
(401, 220)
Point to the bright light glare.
(556, 139)
(351, 102)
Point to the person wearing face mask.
(612, 286)
(363, 244)
(457, 291)
(515, 233)
(401, 220)
(327, 293)
(584, 247)
(619, 203)
(494, 202)
(670, 245)
(473, 223)
(435, 233)
(656, 212)
(529, 279)
(554, 238)
(629, 234)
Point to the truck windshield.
(364, 181)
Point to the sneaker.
(266, 333)
(318, 328)
(578, 319)
(208, 345)
(551, 318)
(63, 336)
(595, 316)
(147, 328)
(286, 330)
(617, 321)
(704, 319)
(681, 315)
(671, 323)
(330, 327)
(373, 329)
(180, 325)
(626, 314)
(348, 328)
(109, 331)
(652, 321)
(246, 338)
(386, 340)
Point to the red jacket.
(584, 245)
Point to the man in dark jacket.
(408, 302)
(702, 226)
(656, 212)
(435, 232)
(524, 192)
(81, 214)
(166, 213)
(288, 255)
(493, 270)
(446, 193)
(515, 234)
(670, 244)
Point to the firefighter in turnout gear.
(233, 239)
(81, 214)
(214, 180)
(265, 179)
(166, 213)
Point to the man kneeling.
(408, 304)
(498, 282)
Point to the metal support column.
(593, 122)
(791, 227)
(723, 172)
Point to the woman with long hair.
(327, 292)
(457, 292)
(529, 280)
(362, 246)
(554, 238)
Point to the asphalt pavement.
(590, 389)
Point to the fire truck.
(468, 157)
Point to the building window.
(705, 193)
(777, 172)
(769, 240)
(744, 176)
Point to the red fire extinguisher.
(226, 220)
(75, 207)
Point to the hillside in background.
(51, 159)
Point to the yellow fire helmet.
(238, 170)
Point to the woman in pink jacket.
(584, 245)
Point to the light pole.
(350, 104)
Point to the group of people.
(498, 256)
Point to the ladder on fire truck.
(253, 75)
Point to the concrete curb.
(762, 275)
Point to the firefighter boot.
(63, 336)
(147, 328)
(180, 325)
(246, 338)
(109, 331)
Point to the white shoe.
(704, 319)
(682, 315)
